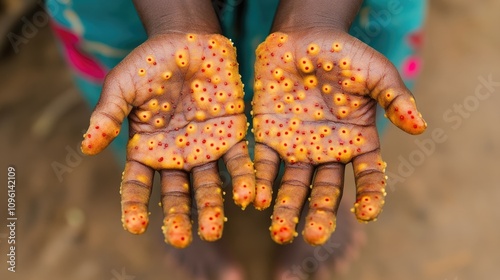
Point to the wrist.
(300, 15)
(171, 24)
(176, 16)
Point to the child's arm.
(170, 16)
(316, 92)
(182, 93)
(314, 14)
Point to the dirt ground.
(440, 222)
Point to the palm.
(314, 106)
(184, 100)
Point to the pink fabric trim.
(82, 62)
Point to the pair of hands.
(313, 107)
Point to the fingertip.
(177, 231)
(406, 121)
(86, 148)
(404, 114)
(283, 233)
(211, 223)
(316, 234)
(283, 227)
(263, 197)
(135, 219)
(319, 227)
(368, 206)
(90, 148)
(97, 138)
(243, 190)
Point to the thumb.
(397, 101)
(106, 119)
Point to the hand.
(184, 100)
(314, 107)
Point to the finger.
(176, 204)
(135, 192)
(369, 172)
(398, 103)
(291, 196)
(267, 164)
(208, 194)
(106, 119)
(240, 168)
(325, 198)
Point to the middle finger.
(207, 187)
(291, 196)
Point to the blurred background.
(441, 220)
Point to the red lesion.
(196, 104)
(135, 220)
(282, 234)
(177, 231)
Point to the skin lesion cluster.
(299, 141)
(304, 107)
(200, 122)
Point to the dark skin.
(171, 16)
(324, 86)
(182, 87)
(183, 96)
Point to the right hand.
(183, 96)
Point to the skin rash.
(314, 108)
(184, 100)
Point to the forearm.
(186, 16)
(305, 14)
